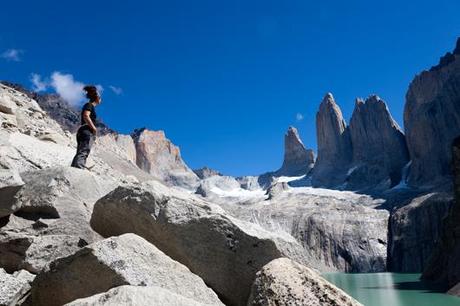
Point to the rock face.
(205, 172)
(158, 156)
(297, 159)
(415, 229)
(340, 230)
(379, 146)
(444, 264)
(137, 296)
(14, 286)
(285, 282)
(334, 145)
(432, 120)
(196, 234)
(124, 260)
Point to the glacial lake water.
(390, 289)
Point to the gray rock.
(285, 282)
(276, 189)
(415, 230)
(205, 172)
(7, 104)
(432, 121)
(334, 145)
(224, 251)
(32, 253)
(137, 296)
(116, 261)
(444, 264)
(14, 286)
(297, 159)
(340, 230)
(379, 146)
(10, 184)
(158, 156)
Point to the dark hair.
(91, 92)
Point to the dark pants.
(85, 139)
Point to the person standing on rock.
(87, 131)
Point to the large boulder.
(415, 229)
(138, 296)
(379, 146)
(32, 253)
(158, 156)
(444, 264)
(224, 251)
(432, 120)
(334, 145)
(285, 282)
(14, 286)
(297, 159)
(10, 183)
(113, 262)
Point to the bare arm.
(88, 121)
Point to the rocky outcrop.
(14, 286)
(340, 230)
(32, 253)
(334, 145)
(205, 172)
(116, 261)
(444, 264)
(285, 282)
(415, 229)
(158, 156)
(432, 120)
(195, 233)
(297, 159)
(379, 146)
(137, 296)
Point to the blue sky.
(225, 79)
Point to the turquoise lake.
(390, 289)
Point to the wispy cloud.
(13, 55)
(299, 117)
(116, 90)
(38, 84)
(67, 87)
(64, 85)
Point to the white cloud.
(116, 90)
(38, 83)
(13, 55)
(299, 117)
(69, 89)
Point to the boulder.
(432, 121)
(32, 253)
(297, 159)
(14, 286)
(379, 146)
(7, 104)
(138, 296)
(10, 184)
(415, 229)
(222, 250)
(285, 282)
(113, 262)
(334, 145)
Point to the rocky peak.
(334, 145)
(432, 121)
(378, 143)
(158, 156)
(205, 172)
(297, 159)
